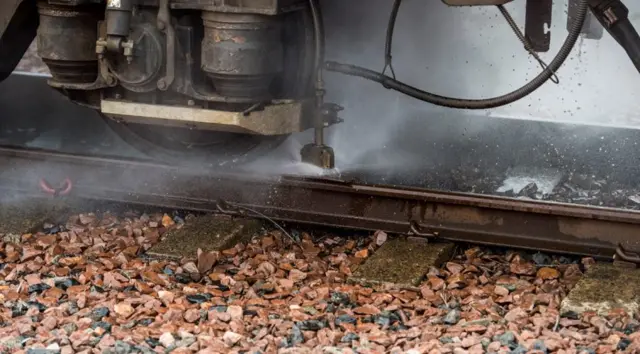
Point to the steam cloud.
(470, 53)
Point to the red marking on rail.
(64, 188)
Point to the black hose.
(544, 76)
(318, 28)
(627, 36)
(389, 40)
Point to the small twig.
(403, 317)
(555, 327)
(261, 215)
(444, 299)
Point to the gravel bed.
(87, 287)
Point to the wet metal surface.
(445, 215)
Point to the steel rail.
(490, 220)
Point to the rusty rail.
(451, 216)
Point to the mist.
(466, 52)
(461, 52)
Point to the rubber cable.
(544, 76)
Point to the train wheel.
(182, 146)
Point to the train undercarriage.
(229, 80)
(181, 77)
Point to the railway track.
(567, 228)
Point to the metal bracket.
(538, 18)
(164, 24)
(416, 229)
(627, 256)
(329, 112)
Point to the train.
(230, 80)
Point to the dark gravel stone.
(541, 258)
(145, 321)
(14, 342)
(39, 306)
(19, 309)
(452, 317)
(97, 289)
(507, 338)
(66, 283)
(232, 271)
(183, 278)
(123, 347)
(539, 345)
(54, 229)
(571, 315)
(296, 336)
(73, 308)
(222, 287)
(345, 319)
(152, 342)
(623, 344)
(349, 337)
(446, 340)
(198, 298)
(250, 313)
(310, 325)
(398, 327)
(383, 321)
(519, 350)
(104, 325)
(69, 328)
(129, 324)
(38, 288)
(219, 308)
(566, 260)
(585, 350)
(631, 328)
(98, 313)
(143, 349)
(339, 298)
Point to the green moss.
(208, 232)
(402, 262)
(605, 287)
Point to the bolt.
(191, 102)
(118, 96)
(161, 25)
(162, 84)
